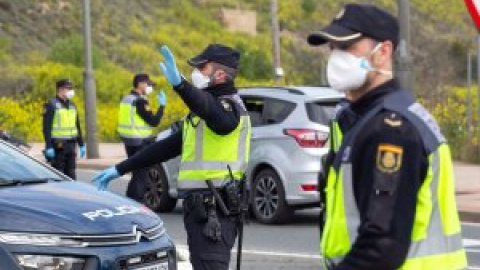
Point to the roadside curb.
(93, 166)
(469, 216)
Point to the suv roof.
(307, 92)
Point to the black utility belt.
(64, 140)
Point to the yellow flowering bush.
(451, 115)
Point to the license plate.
(157, 266)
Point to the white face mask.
(199, 80)
(148, 90)
(70, 94)
(347, 72)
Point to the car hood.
(70, 207)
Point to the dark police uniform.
(387, 219)
(64, 146)
(134, 137)
(222, 115)
(390, 189)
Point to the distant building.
(239, 20)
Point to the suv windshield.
(15, 165)
(321, 111)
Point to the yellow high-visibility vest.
(130, 124)
(64, 125)
(207, 155)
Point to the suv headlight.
(36, 239)
(41, 262)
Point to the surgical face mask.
(148, 90)
(70, 94)
(199, 80)
(347, 72)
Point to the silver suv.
(289, 137)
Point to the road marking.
(263, 253)
(471, 224)
(471, 242)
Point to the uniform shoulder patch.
(226, 105)
(389, 158)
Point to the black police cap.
(141, 78)
(64, 83)
(217, 53)
(355, 21)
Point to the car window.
(276, 110)
(320, 112)
(266, 111)
(15, 165)
(255, 108)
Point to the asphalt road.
(291, 246)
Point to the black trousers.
(206, 254)
(138, 183)
(65, 157)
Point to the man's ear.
(220, 76)
(384, 54)
(387, 50)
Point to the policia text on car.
(214, 146)
(135, 127)
(390, 198)
(61, 130)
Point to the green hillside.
(41, 41)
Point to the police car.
(48, 221)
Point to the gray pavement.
(467, 177)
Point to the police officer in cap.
(214, 140)
(61, 130)
(135, 126)
(390, 189)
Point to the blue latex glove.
(83, 151)
(103, 178)
(162, 98)
(50, 153)
(169, 68)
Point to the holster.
(212, 229)
(232, 196)
(194, 206)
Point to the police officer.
(135, 123)
(214, 138)
(61, 130)
(390, 189)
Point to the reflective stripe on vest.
(64, 125)
(436, 238)
(335, 135)
(207, 155)
(130, 124)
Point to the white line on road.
(270, 253)
(471, 242)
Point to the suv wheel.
(268, 198)
(156, 195)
